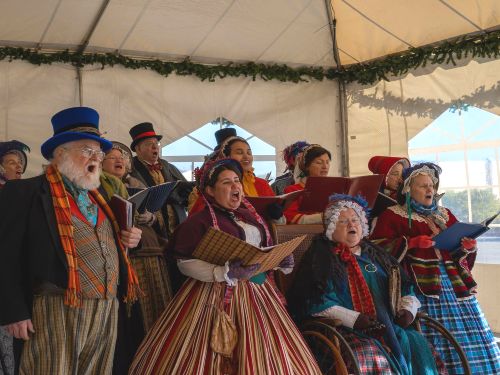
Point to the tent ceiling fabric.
(367, 30)
(381, 117)
(293, 32)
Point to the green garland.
(484, 45)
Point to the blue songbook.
(450, 238)
(153, 198)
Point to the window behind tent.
(466, 145)
(188, 152)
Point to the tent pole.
(343, 133)
(85, 43)
(80, 85)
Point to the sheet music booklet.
(123, 211)
(319, 189)
(260, 203)
(450, 238)
(218, 247)
(152, 198)
(382, 202)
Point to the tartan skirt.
(371, 357)
(465, 320)
(268, 340)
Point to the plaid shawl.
(62, 210)
(362, 300)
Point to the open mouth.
(428, 196)
(352, 231)
(235, 195)
(91, 168)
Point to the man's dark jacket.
(31, 252)
(178, 199)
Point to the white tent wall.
(278, 113)
(382, 118)
(29, 94)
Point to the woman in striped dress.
(183, 340)
(445, 286)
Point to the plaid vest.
(97, 256)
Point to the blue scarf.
(83, 201)
(422, 209)
(431, 210)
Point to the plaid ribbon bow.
(154, 167)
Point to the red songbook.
(261, 203)
(318, 190)
(123, 211)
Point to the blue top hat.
(73, 124)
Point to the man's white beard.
(81, 178)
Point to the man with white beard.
(63, 259)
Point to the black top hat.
(222, 134)
(142, 131)
(15, 147)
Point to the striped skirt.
(268, 340)
(465, 320)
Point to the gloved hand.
(180, 195)
(369, 325)
(238, 271)
(403, 318)
(274, 210)
(468, 243)
(147, 218)
(423, 242)
(287, 262)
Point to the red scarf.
(362, 300)
(62, 210)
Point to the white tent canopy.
(293, 32)
(381, 118)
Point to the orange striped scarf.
(361, 296)
(62, 210)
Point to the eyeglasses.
(118, 158)
(88, 152)
(354, 221)
(151, 143)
